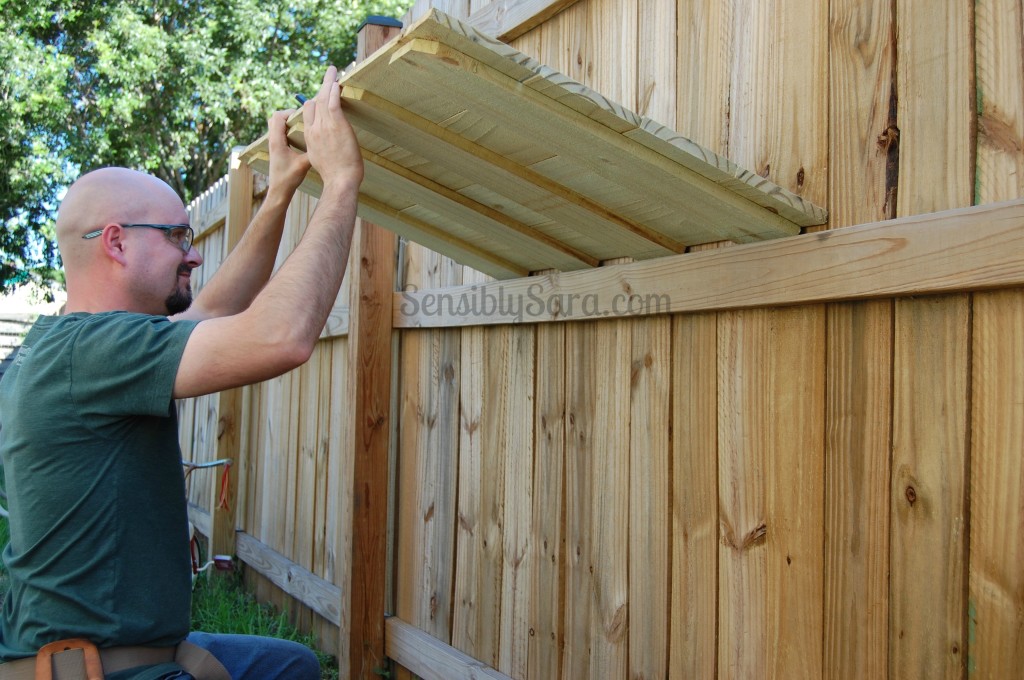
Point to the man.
(88, 434)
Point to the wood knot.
(617, 628)
(911, 494)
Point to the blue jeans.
(250, 657)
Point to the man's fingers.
(330, 78)
(309, 113)
(334, 102)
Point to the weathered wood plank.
(681, 203)
(516, 447)
(430, 658)
(338, 553)
(935, 108)
(996, 585)
(857, 471)
(771, 490)
(779, 85)
(597, 500)
(509, 19)
(927, 638)
(928, 570)
(863, 146)
(491, 620)
(743, 621)
(907, 256)
(650, 479)
(795, 493)
(295, 580)
(475, 622)
(864, 142)
(995, 588)
(547, 597)
(999, 48)
(429, 441)
(575, 220)
(694, 601)
(705, 39)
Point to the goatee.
(181, 299)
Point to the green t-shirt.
(95, 490)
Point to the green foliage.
(220, 604)
(168, 87)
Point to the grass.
(221, 605)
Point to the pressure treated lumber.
(907, 256)
(695, 522)
(483, 153)
(996, 585)
(930, 393)
(371, 277)
(322, 596)
(859, 348)
(928, 632)
(430, 658)
(995, 581)
(857, 472)
(508, 19)
(649, 493)
(547, 597)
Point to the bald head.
(112, 195)
(107, 272)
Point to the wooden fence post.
(224, 482)
(371, 280)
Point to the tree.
(168, 87)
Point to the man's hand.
(331, 144)
(279, 329)
(288, 166)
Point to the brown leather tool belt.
(78, 659)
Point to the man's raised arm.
(279, 330)
(249, 265)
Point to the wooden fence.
(801, 458)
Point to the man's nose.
(192, 258)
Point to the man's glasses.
(180, 235)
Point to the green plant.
(221, 604)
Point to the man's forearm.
(248, 267)
(304, 290)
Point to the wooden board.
(742, 561)
(430, 658)
(863, 146)
(493, 566)
(597, 500)
(508, 19)
(649, 492)
(995, 588)
(547, 598)
(927, 571)
(476, 149)
(857, 471)
(695, 534)
(928, 564)
(771, 490)
(429, 444)
(909, 256)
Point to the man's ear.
(113, 242)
